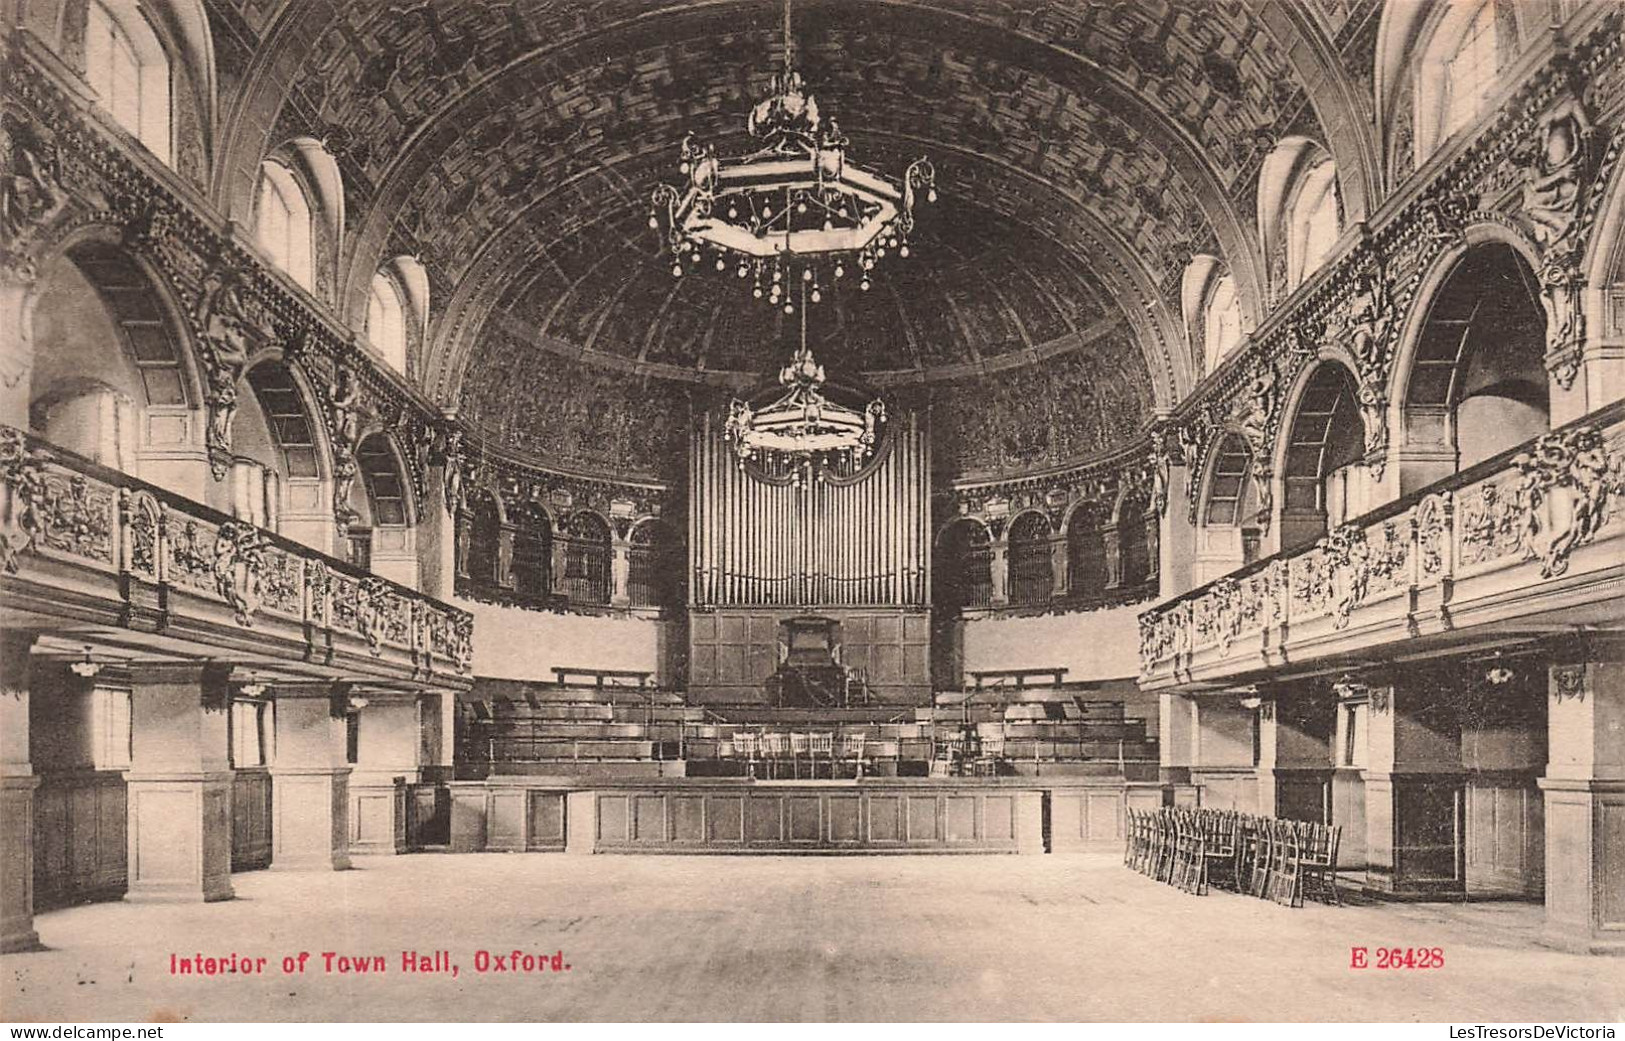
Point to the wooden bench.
(604, 677)
(985, 678)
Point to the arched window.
(962, 568)
(386, 321)
(586, 559)
(1031, 573)
(129, 72)
(1134, 548)
(1457, 73)
(532, 553)
(1222, 326)
(484, 531)
(1086, 551)
(284, 228)
(1313, 224)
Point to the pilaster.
(310, 799)
(17, 784)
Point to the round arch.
(1318, 457)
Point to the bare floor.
(783, 938)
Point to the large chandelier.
(802, 424)
(792, 210)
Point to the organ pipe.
(858, 540)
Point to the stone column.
(620, 572)
(1112, 545)
(17, 784)
(390, 739)
(1584, 789)
(179, 783)
(310, 801)
(999, 573)
(505, 532)
(1413, 788)
(1222, 764)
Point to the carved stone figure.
(346, 411)
(231, 332)
(1557, 169)
(31, 194)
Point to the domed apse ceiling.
(1083, 151)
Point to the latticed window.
(1086, 550)
(963, 568)
(1031, 572)
(653, 571)
(532, 553)
(586, 559)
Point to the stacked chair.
(1270, 858)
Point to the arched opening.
(283, 225)
(275, 478)
(103, 352)
(1230, 529)
(126, 66)
(1478, 380)
(1087, 573)
(484, 527)
(386, 321)
(586, 558)
(1032, 576)
(962, 570)
(381, 536)
(1322, 479)
(654, 567)
(532, 552)
(1458, 73)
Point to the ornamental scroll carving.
(1566, 484)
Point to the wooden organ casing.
(852, 547)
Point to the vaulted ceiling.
(1084, 150)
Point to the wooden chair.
(747, 745)
(775, 746)
(1320, 863)
(854, 743)
(823, 745)
(1219, 848)
(1286, 865)
(800, 748)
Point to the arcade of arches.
(1254, 440)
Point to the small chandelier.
(793, 209)
(802, 423)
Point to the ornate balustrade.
(1527, 532)
(81, 541)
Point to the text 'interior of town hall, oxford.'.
(1180, 445)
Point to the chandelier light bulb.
(816, 295)
(931, 196)
(654, 222)
(721, 264)
(864, 285)
(801, 207)
(683, 167)
(902, 250)
(757, 292)
(677, 271)
(694, 256)
(767, 211)
(789, 308)
(778, 275)
(806, 274)
(829, 225)
(839, 271)
(743, 271)
(881, 252)
(733, 212)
